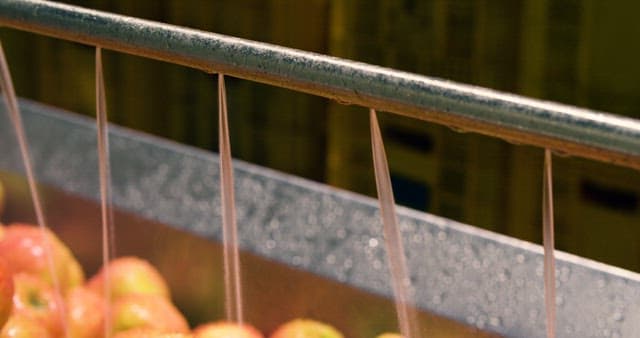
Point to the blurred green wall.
(581, 52)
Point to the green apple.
(85, 314)
(146, 311)
(130, 275)
(224, 329)
(305, 328)
(389, 335)
(35, 299)
(21, 326)
(25, 248)
(6, 292)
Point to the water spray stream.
(106, 208)
(400, 281)
(232, 281)
(6, 84)
(548, 243)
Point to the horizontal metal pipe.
(559, 127)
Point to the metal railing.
(562, 128)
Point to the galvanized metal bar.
(559, 127)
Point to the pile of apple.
(43, 294)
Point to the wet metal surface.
(558, 127)
(276, 292)
(473, 276)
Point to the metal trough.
(462, 273)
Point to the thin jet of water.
(6, 84)
(400, 281)
(104, 169)
(548, 243)
(232, 283)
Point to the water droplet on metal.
(343, 102)
(495, 321)
(331, 259)
(617, 316)
(457, 129)
(504, 275)
(559, 301)
(270, 244)
(437, 299)
(561, 153)
(442, 235)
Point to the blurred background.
(580, 52)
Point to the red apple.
(225, 329)
(146, 311)
(2, 230)
(150, 333)
(305, 328)
(35, 299)
(130, 275)
(85, 314)
(21, 326)
(6, 292)
(25, 248)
